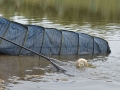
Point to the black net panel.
(16, 33)
(100, 46)
(69, 42)
(34, 39)
(47, 40)
(52, 41)
(86, 44)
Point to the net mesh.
(47, 40)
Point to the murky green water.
(94, 17)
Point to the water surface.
(94, 17)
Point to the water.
(94, 17)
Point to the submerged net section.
(14, 32)
(69, 42)
(47, 40)
(34, 39)
(52, 41)
(100, 46)
(86, 45)
(4, 24)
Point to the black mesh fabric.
(86, 44)
(100, 46)
(15, 32)
(34, 39)
(47, 40)
(52, 41)
(69, 42)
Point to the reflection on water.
(29, 65)
(63, 11)
(19, 65)
(94, 17)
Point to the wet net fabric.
(69, 42)
(47, 40)
(14, 32)
(52, 41)
(34, 39)
(100, 46)
(86, 45)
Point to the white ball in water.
(81, 63)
